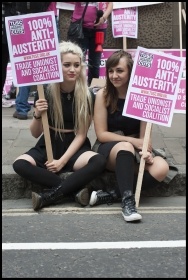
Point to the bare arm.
(108, 10)
(36, 127)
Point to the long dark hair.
(110, 92)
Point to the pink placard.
(9, 80)
(34, 49)
(153, 87)
(125, 22)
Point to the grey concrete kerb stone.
(15, 187)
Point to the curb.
(15, 187)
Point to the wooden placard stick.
(45, 127)
(124, 43)
(142, 163)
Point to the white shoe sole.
(93, 198)
(132, 218)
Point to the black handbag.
(75, 31)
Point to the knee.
(126, 146)
(164, 170)
(20, 166)
(160, 169)
(17, 166)
(99, 161)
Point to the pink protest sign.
(125, 22)
(153, 87)
(180, 106)
(33, 48)
(9, 80)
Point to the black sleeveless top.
(67, 101)
(116, 121)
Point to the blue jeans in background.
(22, 105)
(94, 58)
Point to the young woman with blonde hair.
(69, 109)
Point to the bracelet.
(37, 118)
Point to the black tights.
(73, 182)
(124, 171)
(148, 181)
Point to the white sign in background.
(65, 5)
(119, 5)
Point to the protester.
(22, 105)
(120, 139)
(69, 108)
(89, 30)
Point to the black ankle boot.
(39, 200)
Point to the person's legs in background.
(21, 102)
(85, 42)
(94, 58)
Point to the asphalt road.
(93, 242)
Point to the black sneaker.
(82, 197)
(100, 197)
(129, 211)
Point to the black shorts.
(59, 147)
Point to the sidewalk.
(16, 139)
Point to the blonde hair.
(82, 98)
